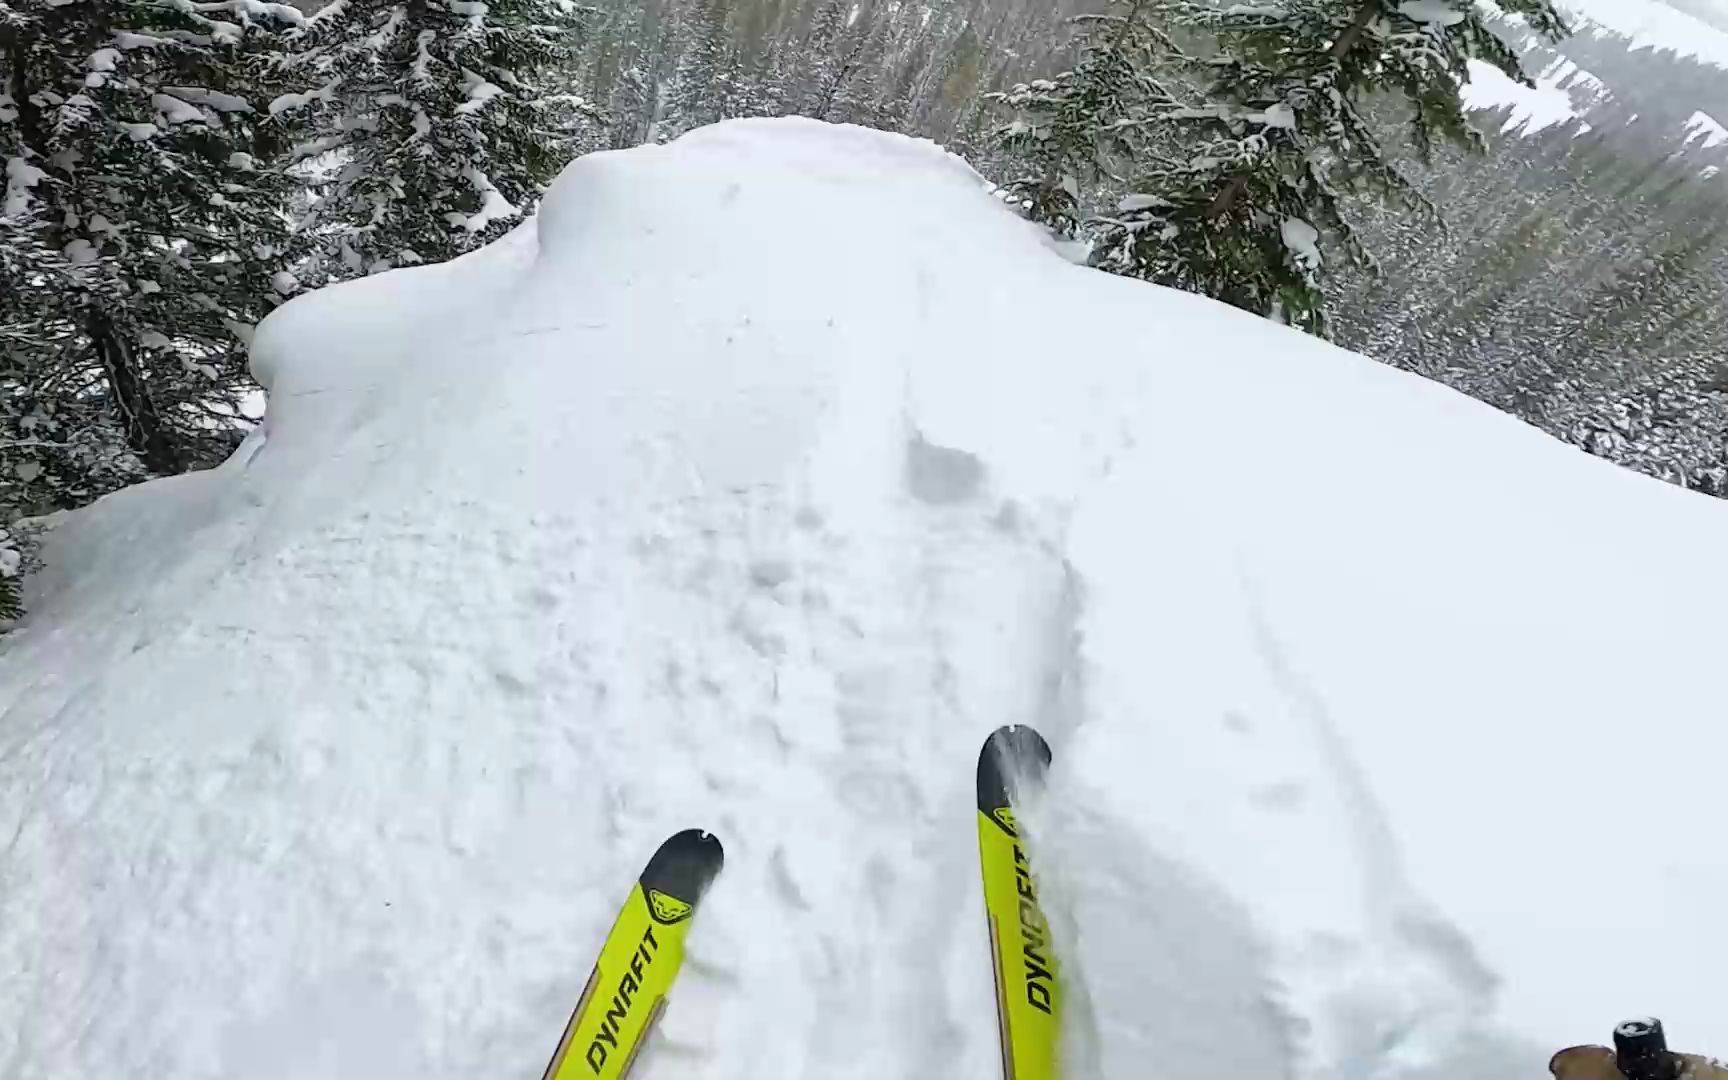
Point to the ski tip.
(1012, 755)
(684, 865)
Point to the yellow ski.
(1027, 991)
(626, 991)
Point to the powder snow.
(748, 486)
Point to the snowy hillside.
(1564, 90)
(1654, 24)
(1391, 758)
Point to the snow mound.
(750, 486)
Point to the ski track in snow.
(337, 761)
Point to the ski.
(626, 992)
(1012, 762)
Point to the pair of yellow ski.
(627, 991)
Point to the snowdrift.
(750, 486)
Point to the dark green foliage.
(1234, 156)
(436, 128)
(1089, 122)
(705, 80)
(141, 236)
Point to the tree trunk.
(23, 99)
(145, 433)
(1226, 197)
(1127, 24)
(1353, 33)
(839, 80)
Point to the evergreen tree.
(822, 56)
(854, 87)
(705, 80)
(952, 79)
(762, 57)
(12, 569)
(628, 108)
(763, 86)
(1086, 123)
(436, 130)
(1239, 183)
(141, 235)
(901, 77)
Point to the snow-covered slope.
(1653, 24)
(749, 487)
(1703, 129)
(1562, 91)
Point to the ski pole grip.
(1641, 1050)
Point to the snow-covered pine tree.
(28, 269)
(436, 129)
(819, 57)
(619, 67)
(855, 90)
(900, 77)
(704, 84)
(764, 55)
(1282, 133)
(143, 237)
(1240, 185)
(63, 439)
(628, 107)
(1088, 122)
(12, 569)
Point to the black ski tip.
(1011, 756)
(684, 865)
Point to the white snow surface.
(1563, 90)
(1302, 240)
(493, 205)
(1704, 129)
(1387, 729)
(1437, 12)
(175, 110)
(1653, 24)
(21, 177)
(288, 102)
(478, 90)
(80, 252)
